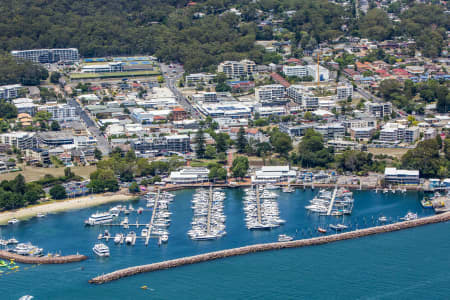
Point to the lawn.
(32, 173)
(114, 74)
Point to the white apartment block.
(303, 96)
(343, 92)
(272, 92)
(103, 68)
(60, 112)
(236, 69)
(9, 91)
(392, 132)
(199, 77)
(360, 123)
(299, 71)
(411, 134)
(48, 55)
(19, 139)
(324, 74)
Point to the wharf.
(150, 225)
(441, 204)
(258, 205)
(330, 208)
(208, 224)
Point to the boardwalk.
(266, 247)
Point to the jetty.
(333, 198)
(269, 246)
(42, 259)
(208, 222)
(258, 205)
(152, 219)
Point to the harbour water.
(395, 265)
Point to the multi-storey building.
(10, 91)
(236, 69)
(303, 96)
(343, 92)
(393, 132)
(394, 176)
(199, 77)
(48, 55)
(104, 68)
(60, 112)
(267, 93)
(331, 131)
(380, 110)
(298, 71)
(174, 143)
(411, 134)
(20, 140)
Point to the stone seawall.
(42, 260)
(265, 247)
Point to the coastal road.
(102, 143)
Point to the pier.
(43, 259)
(150, 225)
(330, 208)
(258, 205)
(208, 223)
(269, 246)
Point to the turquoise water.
(411, 263)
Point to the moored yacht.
(101, 250)
(99, 218)
(284, 238)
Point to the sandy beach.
(56, 206)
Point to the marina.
(50, 233)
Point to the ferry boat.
(13, 221)
(99, 218)
(284, 238)
(101, 250)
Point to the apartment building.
(60, 112)
(392, 132)
(19, 139)
(298, 71)
(10, 91)
(362, 133)
(411, 134)
(199, 77)
(331, 131)
(174, 143)
(343, 92)
(303, 96)
(268, 93)
(380, 110)
(236, 69)
(48, 55)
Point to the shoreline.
(65, 205)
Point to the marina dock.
(152, 220)
(267, 247)
(208, 223)
(330, 208)
(258, 205)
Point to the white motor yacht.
(284, 238)
(13, 221)
(101, 250)
(99, 218)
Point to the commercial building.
(236, 69)
(60, 112)
(268, 93)
(394, 176)
(48, 55)
(274, 174)
(171, 143)
(199, 77)
(55, 138)
(343, 92)
(10, 91)
(20, 140)
(380, 110)
(189, 176)
(228, 109)
(103, 68)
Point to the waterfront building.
(19, 139)
(189, 176)
(394, 176)
(274, 174)
(48, 55)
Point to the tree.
(55, 126)
(18, 184)
(200, 143)
(134, 188)
(217, 172)
(210, 152)
(375, 25)
(240, 166)
(58, 192)
(222, 142)
(425, 158)
(54, 77)
(312, 152)
(281, 143)
(68, 173)
(7, 110)
(241, 142)
(97, 154)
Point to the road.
(171, 79)
(102, 143)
